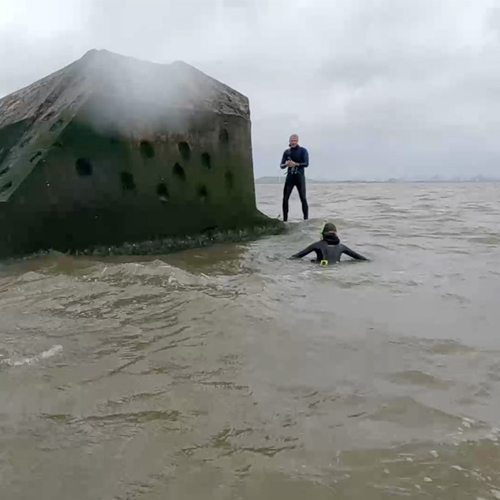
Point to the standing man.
(295, 159)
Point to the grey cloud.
(374, 88)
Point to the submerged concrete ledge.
(171, 245)
(164, 246)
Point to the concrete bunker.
(143, 125)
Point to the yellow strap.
(323, 263)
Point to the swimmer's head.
(329, 228)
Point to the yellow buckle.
(323, 263)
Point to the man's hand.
(291, 163)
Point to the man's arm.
(305, 159)
(352, 253)
(304, 252)
(283, 159)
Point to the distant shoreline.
(281, 179)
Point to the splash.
(53, 351)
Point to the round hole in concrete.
(56, 125)
(229, 178)
(179, 172)
(35, 156)
(184, 150)
(224, 136)
(84, 167)
(162, 192)
(127, 180)
(202, 192)
(147, 149)
(4, 171)
(26, 141)
(5, 187)
(206, 161)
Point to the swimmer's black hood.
(331, 238)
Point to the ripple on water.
(410, 413)
(492, 239)
(418, 378)
(439, 347)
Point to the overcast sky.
(374, 88)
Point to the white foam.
(53, 351)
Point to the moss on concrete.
(164, 246)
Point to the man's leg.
(287, 191)
(301, 188)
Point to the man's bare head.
(294, 140)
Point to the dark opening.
(229, 177)
(48, 116)
(58, 145)
(35, 156)
(202, 192)
(205, 160)
(184, 150)
(6, 186)
(84, 167)
(162, 192)
(26, 141)
(224, 136)
(4, 171)
(147, 150)
(56, 125)
(128, 183)
(179, 172)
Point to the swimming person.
(329, 249)
(295, 159)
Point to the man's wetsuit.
(330, 249)
(295, 178)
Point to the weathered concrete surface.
(111, 150)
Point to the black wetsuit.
(295, 178)
(330, 249)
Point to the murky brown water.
(233, 373)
